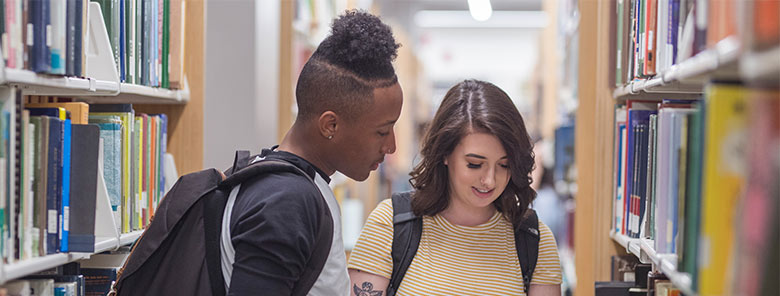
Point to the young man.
(348, 100)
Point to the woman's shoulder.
(383, 213)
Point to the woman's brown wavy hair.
(469, 107)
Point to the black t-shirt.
(273, 228)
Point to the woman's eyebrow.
(482, 157)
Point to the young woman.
(471, 186)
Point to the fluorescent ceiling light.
(463, 19)
(480, 9)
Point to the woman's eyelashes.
(383, 134)
(479, 165)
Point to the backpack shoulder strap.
(407, 230)
(213, 211)
(240, 161)
(527, 244)
(324, 237)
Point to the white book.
(662, 25)
(20, 288)
(29, 210)
(57, 44)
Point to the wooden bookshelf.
(593, 146)
(730, 59)
(184, 108)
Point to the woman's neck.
(462, 215)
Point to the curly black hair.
(347, 66)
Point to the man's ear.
(328, 124)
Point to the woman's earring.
(330, 137)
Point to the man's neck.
(305, 146)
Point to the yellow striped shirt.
(454, 259)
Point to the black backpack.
(407, 230)
(179, 252)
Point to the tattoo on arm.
(367, 290)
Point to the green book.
(688, 262)
(166, 35)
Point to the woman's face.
(478, 171)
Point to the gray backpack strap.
(527, 244)
(407, 230)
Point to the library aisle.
(655, 127)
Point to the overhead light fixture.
(480, 10)
(461, 19)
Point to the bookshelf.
(642, 248)
(23, 268)
(101, 84)
(732, 71)
(687, 79)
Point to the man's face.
(368, 138)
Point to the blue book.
(111, 133)
(65, 209)
(51, 112)
(635, 118)
(162, 140)
(619, 185)
(146, 12)
(5, 148)
(674, 23)
(40, 58)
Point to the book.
(765, 24)
(64, 215)
(176, 41)
(86, 139)
(756, 215)
(98, 280)
(79, 111)
(122, 46)
(40, 58)
(18, 287)
(165, 47)
(721, 21)
(690, 236)
(54, 184)
(650, 37)
(621, 7)
(40, 181)
(647, 216)
(126, 113)
(26, 229)
(57, 32)
(72, 12)
(111, 133)
(638, 112)
(723, 181)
